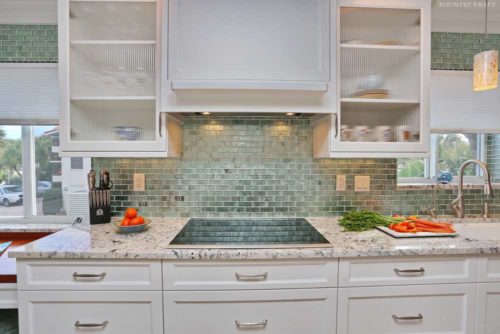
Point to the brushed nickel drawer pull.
(78, 324)
(420, 271)
(261, 324)
(410, 318)
(96, 276)
(257, 277)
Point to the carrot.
(421, 225)
(432, 224)
(436, 230)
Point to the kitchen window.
(448, 152)
(35, 183)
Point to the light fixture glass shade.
(486, 70)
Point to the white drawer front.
(270, 312)
(406, 270)
(488, 304)
(448, 308)
(8, 296)
(489, 269)
(89, 275)
(109, 312)
(249, 275)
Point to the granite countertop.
(102, 242)
(33, 228)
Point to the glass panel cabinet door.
(109, 61)
(383, 74)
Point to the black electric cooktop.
(250, 232)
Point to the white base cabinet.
(271, 311)
(488, 296)
(440, 309)
(385, 295)
(111, 312)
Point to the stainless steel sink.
(249, 233)
(479, 231)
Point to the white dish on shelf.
(128, 133)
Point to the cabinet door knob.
(95, 276)
(419, 271)
(257, 277)
(408, 318)
(102, 325)
(260, 324)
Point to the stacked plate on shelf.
(377, 93)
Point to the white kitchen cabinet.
(295, 311)
(110, 312)
(489, 269)
(448, 308)
(249, 275)
(383, 82)
(109, 80)
(89, 275)
(488, 321)
(248, 56)
(405, 271)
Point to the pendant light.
(486, 65)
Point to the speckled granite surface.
(42, 228)
(103, 242)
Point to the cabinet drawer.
(448, 308)
(109, 312)
(489, 269)
(89, 275)
(248, 275)
(272, 311)
(407, 270)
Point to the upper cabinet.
(249, 56)
(383, 77)
(109, 67)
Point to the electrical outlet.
(139, 182)
(341, 182)
(362, 183)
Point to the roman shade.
(455, 107)
(28, 94)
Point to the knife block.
(100, 208)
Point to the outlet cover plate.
(139, 182)
(362, 183)
(341, 182)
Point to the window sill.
(439, 186)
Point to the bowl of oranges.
(132, 222)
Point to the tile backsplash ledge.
(262, 166)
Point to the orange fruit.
(137, 221)
(125, 222)
(130, 213)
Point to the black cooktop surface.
(268, 231)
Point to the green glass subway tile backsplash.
(257, 166)
(455, 51)
(21, 43)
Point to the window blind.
(28, 94)
(455, 107)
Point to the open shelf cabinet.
(383, 77)
(109, 55)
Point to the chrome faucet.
(458, 204)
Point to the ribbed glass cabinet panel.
(379, 74)
(112, 70)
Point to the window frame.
(431, 165)
(29, 186)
